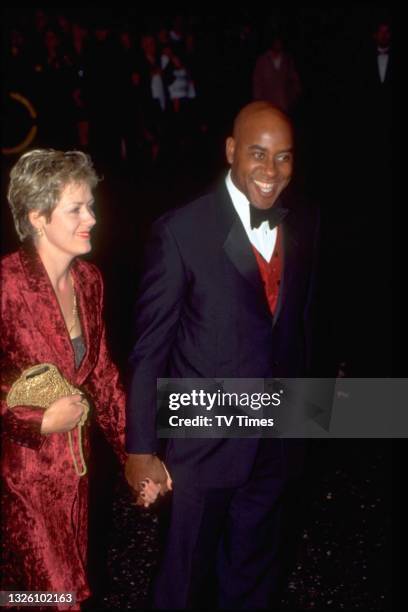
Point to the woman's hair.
(38, 179)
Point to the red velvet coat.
(44, 502)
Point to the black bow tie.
(383, 51)
(273, 215)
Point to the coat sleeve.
(107, 392)
(157, 315)
(22, 425)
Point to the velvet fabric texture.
(44, 502)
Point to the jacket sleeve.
(107, 392)
(157, 314)
(22, 425)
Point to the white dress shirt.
(262, 237)
(382, 60)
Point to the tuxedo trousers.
(222, 546)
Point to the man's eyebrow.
(256, 148)
(264, 149)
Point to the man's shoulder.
(197, 213)
(304, 211)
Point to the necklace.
(74, 309)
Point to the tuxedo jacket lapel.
(239, 250)
(235, 242)
(289, 257)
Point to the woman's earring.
(39, 232)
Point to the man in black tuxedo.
(373, 95)
(227, 291)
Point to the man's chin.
(263, 203)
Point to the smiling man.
(260, 153)
(227, 292)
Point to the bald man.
(226, 293)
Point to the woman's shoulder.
(12, 278)
(10, 264)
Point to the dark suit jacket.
(372, 100)
(202, 312)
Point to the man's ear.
(230, 149)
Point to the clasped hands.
(148, 478)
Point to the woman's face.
(69, 229)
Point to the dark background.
(343, 163)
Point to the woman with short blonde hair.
(51, 308)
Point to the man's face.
(382, 35)
(261, 158)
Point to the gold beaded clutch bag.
(41, 385)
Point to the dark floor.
(342, 554)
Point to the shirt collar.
(239, 200)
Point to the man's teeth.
(264, 187)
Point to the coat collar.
(42, 302)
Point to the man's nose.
(270, 168)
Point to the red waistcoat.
(271, 272)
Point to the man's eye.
(258, 155)
(75, 210)
(284, 158)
